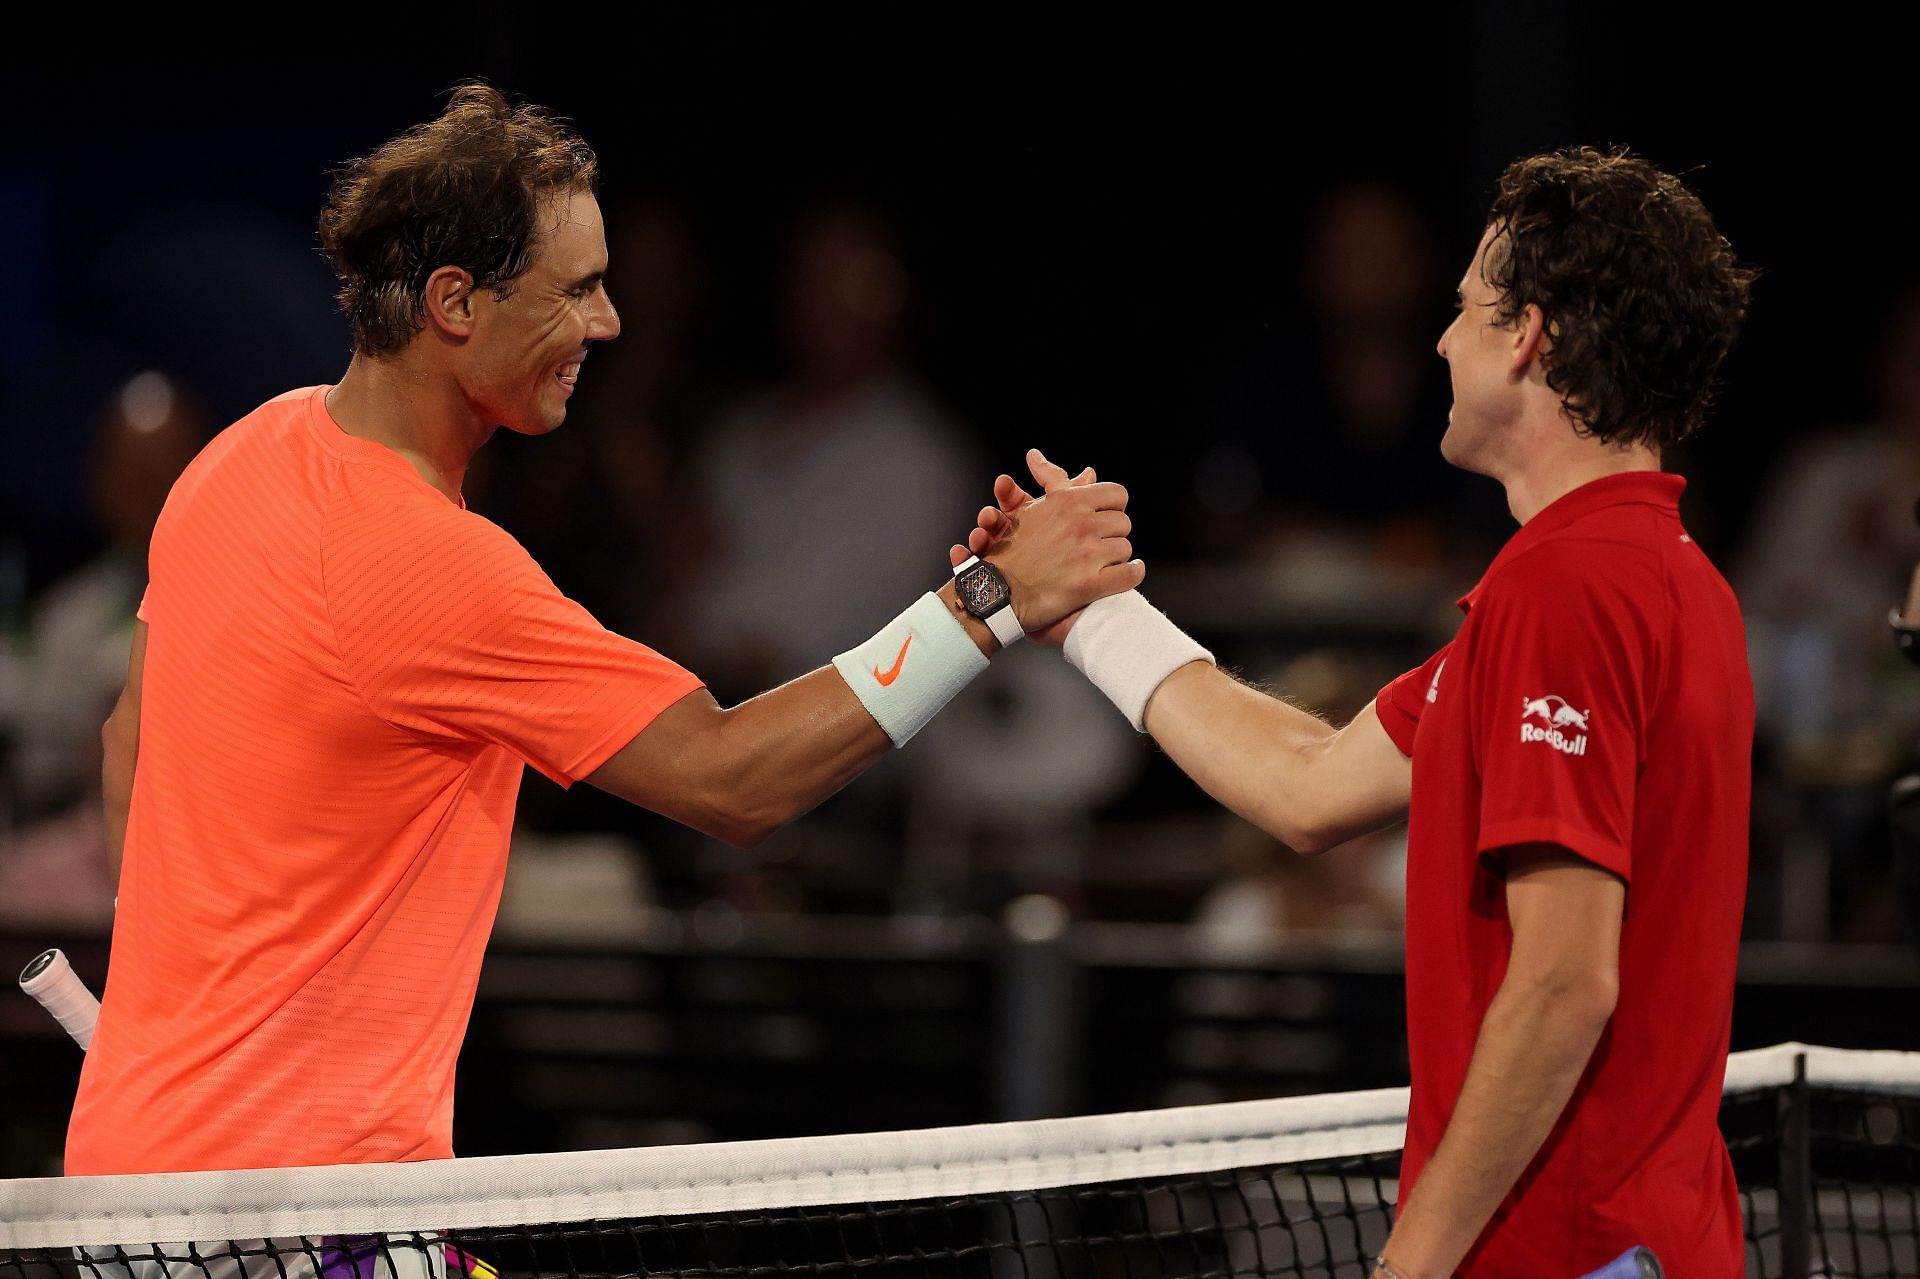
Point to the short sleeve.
(449, 629)
(1400, 704)
(1563, 663)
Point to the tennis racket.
(51, 980)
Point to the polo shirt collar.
(1630, 488)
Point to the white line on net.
(54, 1212)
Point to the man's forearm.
(740, 774)
(792, 747)
(116, 791)
(1535, 1043)
(804, 741)
(1274, 764)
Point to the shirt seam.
(333, 625)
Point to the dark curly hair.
(463, 190)
(1642, 296)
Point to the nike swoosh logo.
(886, 678)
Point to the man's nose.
(605, 324)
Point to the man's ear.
(1530, 340)
(449, 296)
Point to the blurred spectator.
(1269, 892)
(597, 502)
(1337, 423)
(834, 495)
(1832, 541)
(228, 299)
(73, 663)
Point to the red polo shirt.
(1596, 697)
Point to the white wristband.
(912, 667)
(1127, 647)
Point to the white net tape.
(983, 1159)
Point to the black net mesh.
(1848, 1207)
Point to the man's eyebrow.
(589, 280)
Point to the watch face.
(982, 590)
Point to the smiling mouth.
(569, 374)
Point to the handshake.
(1060, 551)
(1067, 560)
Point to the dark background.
(1104, 213)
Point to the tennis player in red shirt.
(340, 674)
(1574, 765)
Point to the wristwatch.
(983, 593)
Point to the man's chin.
(543, 425)
(1456, 451)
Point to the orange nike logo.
(894, 674)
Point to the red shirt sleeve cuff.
(1400, 726)
(1608, 854)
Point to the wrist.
(977, 630)
(1128, 648)
(913, 666)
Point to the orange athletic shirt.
(344, 674)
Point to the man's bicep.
(1565, 912)
(120, 748)
(121, 735)
(1367, 783)
(661, 767)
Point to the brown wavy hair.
(1642, 296)
(463, 190)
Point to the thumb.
(958, 554)
(1048, 476)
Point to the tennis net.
(1827, 1143)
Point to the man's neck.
(1568, 462)
(423, 419)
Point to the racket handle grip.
(1634, 1263)
(51, 980)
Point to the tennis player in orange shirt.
(339, 673)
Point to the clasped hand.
(1060, 551)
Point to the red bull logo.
(1561, 726)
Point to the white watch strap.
(1005, 626)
